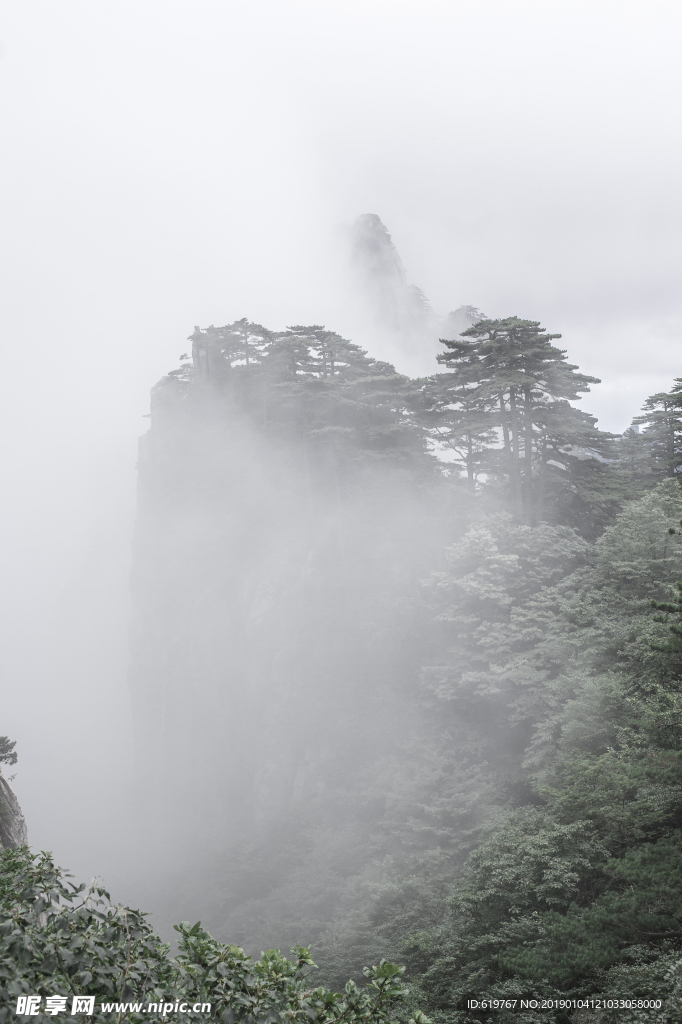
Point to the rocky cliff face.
(12, 822)
(275, 538)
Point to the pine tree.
(633, 459)
(7, 752)
(661, 418)
(461, 421)
(511, 380)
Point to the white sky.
(167, 163)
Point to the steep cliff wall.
(12, 823)
(286, 503)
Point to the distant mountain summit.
(390, 310)
(394, 304)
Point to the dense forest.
(444, 718)
(407, 669)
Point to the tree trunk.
(507, 448)
(670, 439)
(515, 462)
(540, 506)
(528, 453)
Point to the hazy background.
(166, 164)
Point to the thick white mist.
(171, 164)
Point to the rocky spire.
(394, 305)
(12, 822)
(392, 317)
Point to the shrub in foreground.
(59, 939)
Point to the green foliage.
(672, 610)
(562, 894)
(552, 717)
(60, 939)
(528, 865)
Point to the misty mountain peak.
(374, 253)
(394, 307)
